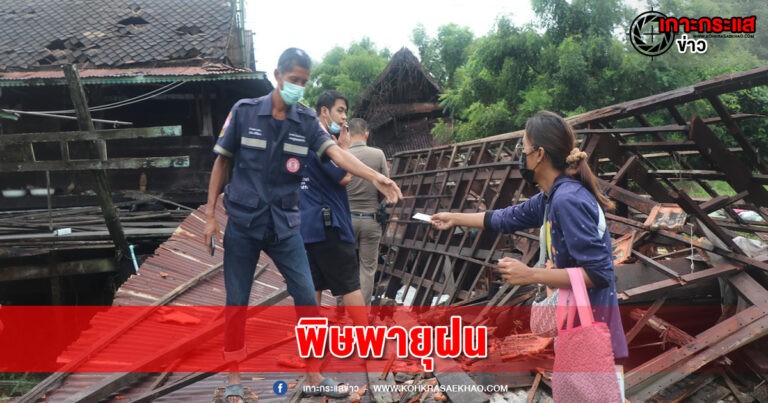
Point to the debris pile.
(689, 237)
(689, 230)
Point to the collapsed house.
(401, 105)
(670, 247)
(159, 78)
(681, 238)
(144, 62)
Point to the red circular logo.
(292, 165)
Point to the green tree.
(443, 55)
(577, 57)
(428, 54)
(348, 71)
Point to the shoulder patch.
(226, 123)
(304, 109)
(247, 101)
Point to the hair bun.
(575, 157)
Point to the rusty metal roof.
(134, 75)
(175, 262)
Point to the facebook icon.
(280, 388)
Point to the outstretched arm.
(351, 164)
(448, 220)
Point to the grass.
(694, 190)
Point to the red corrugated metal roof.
(181, 257)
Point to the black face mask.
(526, 173)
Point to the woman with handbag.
(575, 225)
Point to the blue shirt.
(268, 164)
(573, 219)
(319, 187)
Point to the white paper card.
(422, 217)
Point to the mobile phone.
(213, 244)
(327, 218)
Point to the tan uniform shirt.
(363, 196)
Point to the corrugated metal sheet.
(130, 75)
(181, 257)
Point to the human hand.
(515, 272)
(211, 229)
(388, 188)
(344, 140)
(443, 221)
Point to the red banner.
(355, 339)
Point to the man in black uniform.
(267, 140)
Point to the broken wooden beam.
(84, 122)
(90, 165)
(106, 134)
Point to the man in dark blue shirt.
(326, 223)
(266, 141)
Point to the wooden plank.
(736, 392)
(534, 387)
(687, 278)
(637, 173)
(408, 109)
(717, 203)
(632, 199)
(87, 236)
(665, 329)
(735, 338)
(637, 130)
(88, 165)
(661, 145)
(658, 266)
(107, 134)
(645, 318)
(623, 170)
(102, 188)
(704, 341)
(748, 287)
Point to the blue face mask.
(291, 93)
(334, 128)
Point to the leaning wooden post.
(85, 123)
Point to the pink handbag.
(584, 368)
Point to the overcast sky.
(317, 27)
(320, 26)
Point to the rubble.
(672, 255)
(669, 247)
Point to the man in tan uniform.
(363, 203)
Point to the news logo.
(646, 37)
(652, 33)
